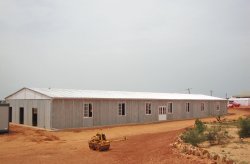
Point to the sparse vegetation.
(211, 135)
(227, 124)
(214, 134)
(225, 136)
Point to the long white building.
(51, 108)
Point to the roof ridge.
(104, 94)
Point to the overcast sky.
(132, 45)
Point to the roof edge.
(14, 93)
(148, 99)
(30, 90)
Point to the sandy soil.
(237, 151)
(148, 143)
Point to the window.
(122, 109)
(170, 107)
(88, 110)
(217, 106)
(148, 108)
(187, 107)
(202, 107)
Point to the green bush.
(244, 126)
(199, 126)
(193, 136)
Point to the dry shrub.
(216, 135)
(244, 126)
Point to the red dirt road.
(148, 143)
(150, 148)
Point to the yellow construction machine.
(99, 142)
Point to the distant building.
(65, 108)
(243, 99)
(4, 117)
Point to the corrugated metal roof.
(98, 94)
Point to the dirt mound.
(44, 138)
(42, 135)
(29, 134)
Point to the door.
(21, 115)
(10, 114)
(162, 113)
(34, 116)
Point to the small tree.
(244, 125)
(199, 126)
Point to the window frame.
(120, 113)
(168, 107)
(89, 110)
(187, 107)
(148, 111)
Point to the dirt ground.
(235, 150)
(148, 143)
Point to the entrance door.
(34, 116)
(10, 114)
(21, 115)
(162, 113)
